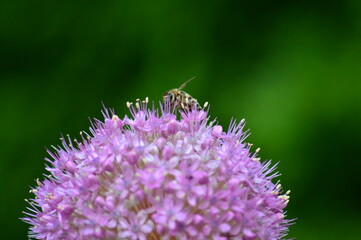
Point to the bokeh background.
(291, 68)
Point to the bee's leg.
(177, 102)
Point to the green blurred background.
(291, 68)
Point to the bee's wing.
(184, 84)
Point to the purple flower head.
(158, 175)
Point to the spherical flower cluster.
(158, 175)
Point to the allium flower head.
(154, 175)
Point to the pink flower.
(135, 226)
(155, 176)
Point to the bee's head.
(169, 95)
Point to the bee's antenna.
(184, 84)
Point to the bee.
(180, 99)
